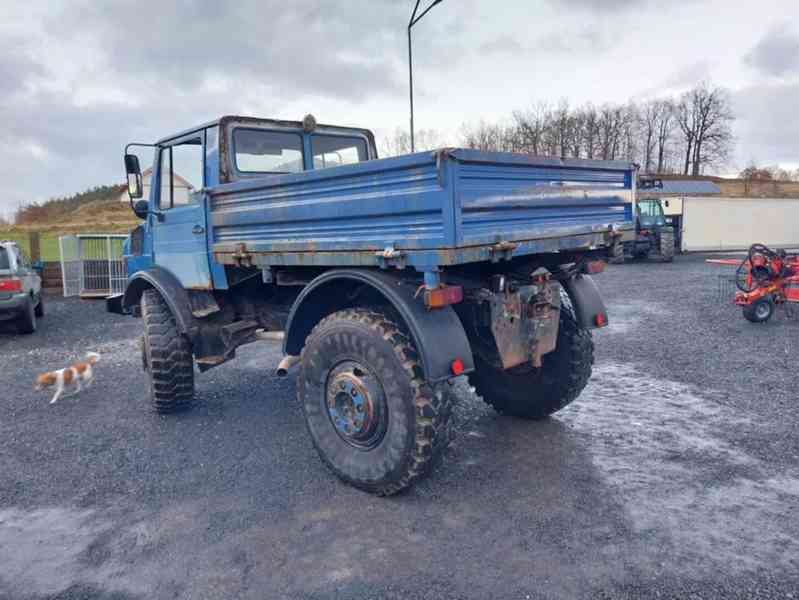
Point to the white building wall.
(717, 223)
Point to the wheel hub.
(356, 405)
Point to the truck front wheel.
(535, 393)
(166, 357)
(667, 245)
(373, 420)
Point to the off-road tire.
(166, 356)
(532, 393)
(26, 322)
(418, 415)
(667, 245)
(760, 311)
(40, 306)
(616, 254)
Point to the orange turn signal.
(443, 296)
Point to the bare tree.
(531, 126)
(705, 117)
(487, 136)
(400, 142)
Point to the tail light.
(594, 266)
(443, 296)
(10, 285)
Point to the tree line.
(688, 134)
(60, 207)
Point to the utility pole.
(414, 20)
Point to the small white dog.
(81, 374)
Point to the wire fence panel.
(70, 265)
(98, 268)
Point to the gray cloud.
(767, 122)
(503, 44)
(582, 41)
(116, 71)
(327, 49)
(777, 52)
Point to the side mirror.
(141, 208)
(133, 171)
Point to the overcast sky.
(79, 79)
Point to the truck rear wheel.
(166, 356)
(667, 245)
(535, 393)
(373, 420)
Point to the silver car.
(20, 289)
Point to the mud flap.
(587, 301)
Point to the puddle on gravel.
(671, 456)
(625, 316)
(41, 550)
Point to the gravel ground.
(674, 475)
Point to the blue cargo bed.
(425, 209)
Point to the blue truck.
(387, 280)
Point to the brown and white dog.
(80, 374)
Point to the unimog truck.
(387, 280)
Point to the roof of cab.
(255, 120)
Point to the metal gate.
(92, 265)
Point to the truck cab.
(388, 281)
(185, 165)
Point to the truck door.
(180, 243)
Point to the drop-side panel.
(503, 197)
(392, 202)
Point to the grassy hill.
(97, 210)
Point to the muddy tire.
(616, 253)
(760, 311)
(531, 393)
(26, 322)
(373, 420)
(39, 312)
(166, 357)
(667, 245)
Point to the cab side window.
(181, 173)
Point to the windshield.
(5, 264)
(650, 213)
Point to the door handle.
(198, 230)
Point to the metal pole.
(413, 21)
(410, 83)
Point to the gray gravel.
(673, 476)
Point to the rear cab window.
(337, 150)
(267, 152)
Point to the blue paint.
(433, 208)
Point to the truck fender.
(171, 290)
(438, 334)
(587, 301)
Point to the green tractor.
(654, 237)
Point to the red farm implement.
(765, 278)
